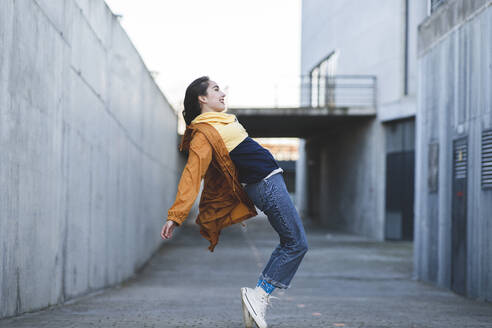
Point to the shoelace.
(267, 301)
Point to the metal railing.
(338, 91)
(334, 91)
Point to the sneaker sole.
(249, 307)
(247, 318)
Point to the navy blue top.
(252, 160)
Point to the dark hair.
(191, 104)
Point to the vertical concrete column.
(301, 179)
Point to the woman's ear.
(202, 99)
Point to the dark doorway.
(459, 221)
(399, 195)
(400, 165)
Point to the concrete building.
(89, 150)
(433, 66)
(358, 177)
(453, 245)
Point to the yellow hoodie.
(229, 128)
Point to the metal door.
(399, 195)
(459, 221)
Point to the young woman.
(238, 174)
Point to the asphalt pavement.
(343, 281)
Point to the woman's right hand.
(167, 229)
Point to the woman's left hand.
(167, 229)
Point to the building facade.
(420, 169)
(359, 177)
(453, 246)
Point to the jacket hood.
(208, 117)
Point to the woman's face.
(214, 100)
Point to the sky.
(250, 48)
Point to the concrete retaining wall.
(89, 159)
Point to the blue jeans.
(271, 197)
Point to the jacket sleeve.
(199, 158)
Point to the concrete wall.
(89, 152)
(343, 173)
(455, 100)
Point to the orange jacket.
(223, 201)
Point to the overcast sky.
(250, 48)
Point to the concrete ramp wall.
(89, 159)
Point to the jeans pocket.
(254, 192)
(269, 195)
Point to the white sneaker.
(256, 301)
(247, 318)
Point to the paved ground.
(344, 281)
